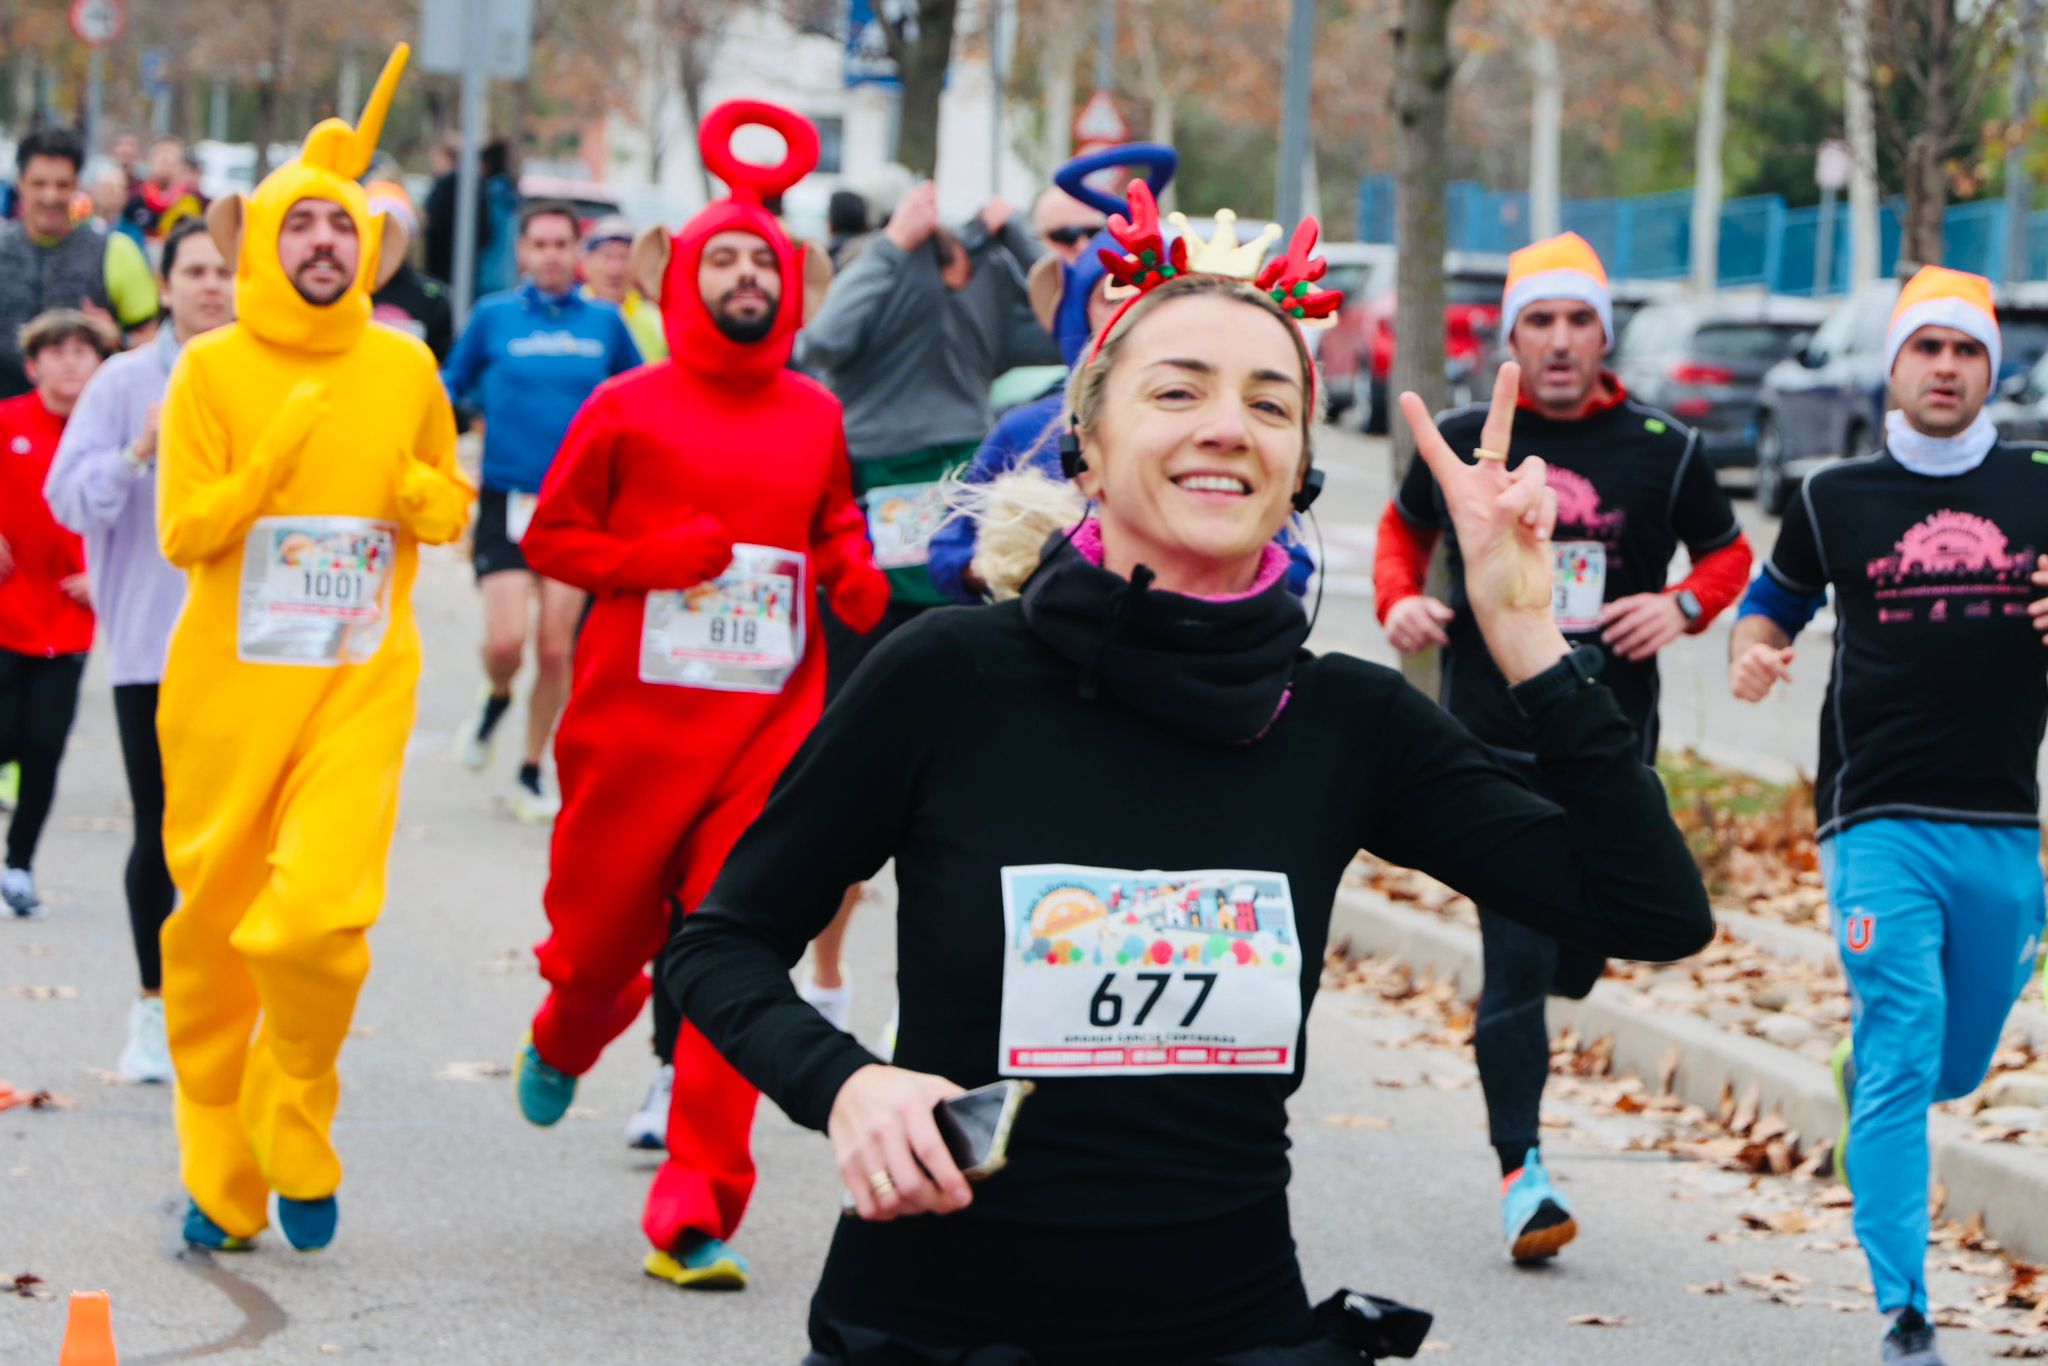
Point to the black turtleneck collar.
(1214, 670)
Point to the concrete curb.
(2008, 1185)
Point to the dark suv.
(1828, 401)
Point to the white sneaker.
(648, 1128)
(834, 1003)
(535, 808)
(18, 890)
(472, 746)
(147, 1058)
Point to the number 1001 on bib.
(1109, 971)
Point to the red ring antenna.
(745, 180)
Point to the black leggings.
(38, 699)
(1523, 970)
(151, 894)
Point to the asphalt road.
(468, 1236)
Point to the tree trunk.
(1706, 153)
(1056, 75)
(1546, 135)
(1424, 65)
(1926, 175)
(1861, 126)
(922, 56)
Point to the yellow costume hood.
(328, 166)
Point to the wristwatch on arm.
(1689, 605)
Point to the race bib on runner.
(519, 514)
(1115, 973)
(901, 521)
(1578, 586)
(740, 632)
(315, 590)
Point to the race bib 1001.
(1110, 972)
(315, 590)
(1578, 587)
(740, 632)
(902, 519)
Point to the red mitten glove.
(860, 595)
(687, 555)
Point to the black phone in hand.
(976, 1126)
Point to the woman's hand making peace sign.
(1503, 521)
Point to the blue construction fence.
(1763, 242)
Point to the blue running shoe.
(1535, 1217)
(201, 1231)
(544, 1092)
(1843, 1065)
(700, 1262)
(308, 1224)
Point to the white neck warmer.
(1942, 457)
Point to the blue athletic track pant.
(1937, 925)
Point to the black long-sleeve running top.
(1116, 864)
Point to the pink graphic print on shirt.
(1956, 564)
(1579, 514)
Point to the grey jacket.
(910, 360)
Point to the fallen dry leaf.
(1710, 1288)
(1598, 1320)
(44, 993)
(473, 1071)
(29, 1286)
(1358, 1121)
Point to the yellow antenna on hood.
(334, 146)
(370, 126)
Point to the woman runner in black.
(1158, 713)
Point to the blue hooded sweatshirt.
(527, 361)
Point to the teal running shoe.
(201, 1231)
(1535, 1218)
(1843, 1065)
(308, 1224)
(700, 1262)
(544, 1092)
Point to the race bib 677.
(1123, 972)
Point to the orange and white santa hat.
(1940, 297)
(1560, 267)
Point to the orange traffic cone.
(89, 1337)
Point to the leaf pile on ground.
(1782, 1181)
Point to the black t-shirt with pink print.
(1632, 485)
(1939, 689)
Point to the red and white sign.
(98, 22)
(1100, 122)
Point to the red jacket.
(37, 617)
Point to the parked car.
(1828, 400)
(1357, 354)
(2021, 410)
(1703, 361)
(1358, 270)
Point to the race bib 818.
(1117, 972)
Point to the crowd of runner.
(727, 476)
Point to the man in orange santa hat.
(703, 501)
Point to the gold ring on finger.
(881, 1182)
(1481, 453)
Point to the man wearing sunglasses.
(1063, 223)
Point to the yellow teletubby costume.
(304, 455)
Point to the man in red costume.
(702, 501)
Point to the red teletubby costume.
(702, 500)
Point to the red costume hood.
(694, 341)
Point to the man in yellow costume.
(304, 456)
